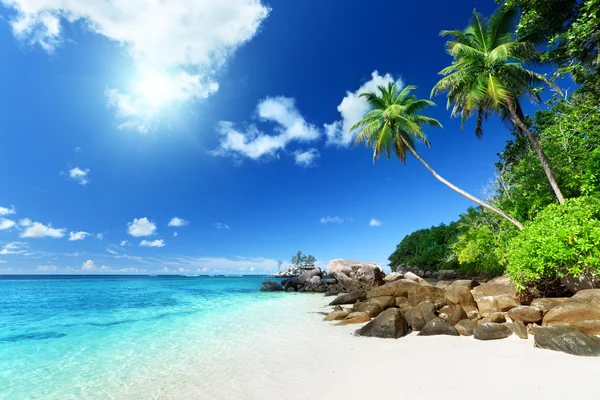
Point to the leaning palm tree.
(394, 123)
(488, 76)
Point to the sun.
(155, 87)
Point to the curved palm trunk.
(538, 150)
(460, 191)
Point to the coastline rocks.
(389, 324)
(589, 327)
(399, 288)
(581, 283)
(587, 295)
(348, 298)
(465, 327)
(419, 316)
(468, 283)
(336, 315)
(496, 317)
(546, 304)
(419, 294)
(340, 265)
(506, 302)
(497, 287)
(355, 318)
(461, 296)
(271, 286)
(491, 331)
(571, 312)
(526, 314)
(368, 273)
(415, 278)
(384, 301)
(487, 305)
(446, 274)
(519, 329)
(456, 314)
(438, 326)
(394, 276)
(568, 340)
(372, 308)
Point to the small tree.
(310, 261)
(298, 259)
(279, 264)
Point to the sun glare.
(155, 88)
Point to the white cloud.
(46, 268)
(178, 46)
(111, 251)
(2, 262)
(89, 265)
(124, 243)
(353, 108)
(99, 236)
(141, 227)
(6, 224)
(175, 221)
(375, 222)
(25, 222)
(8, 211)
(290, 126)
(220, 225)
(175, 234)
(77, 235)
(327, 220)
(154, 243)
(79, 175)
(306, 158)
(38, 230)
(13, 248)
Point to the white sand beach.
(298, 356)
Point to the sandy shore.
(300, 357)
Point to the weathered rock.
(384, 301)
(339, 265)
(568, 340)
(370, 307)
(462, 296)
(468, 283)
(487, 305)
(348, 298)
(546, 304)
(587, 294)
(306, 276)
(519, 329)
(498, 286)
(399, 300)
(506, 302)
(456, 314)
(415, 278)
(527, 314)
(367, 273)
(337, 308)
(355, 318)
(438, 326)
(399, 288)
(271, 286)
(394, 276)
(446, 274)
(589, 327)
(420, 315)
(531, 329)
(571, 312)
(336, 315)
(491, 331)
(465, 327)
(389, 324)
(420, 293)
(496, 318)
(580, 283)
(345, 283)
(443, 284)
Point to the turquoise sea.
(123, 337)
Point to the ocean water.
(126, 337)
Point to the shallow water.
(124, 337)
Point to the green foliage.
(428, 249)
(561, 240)
(302, 260)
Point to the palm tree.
(488, 76)
(393, 124)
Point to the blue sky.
(230, 116)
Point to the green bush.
(561, 240)
(475, 251)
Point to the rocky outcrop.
(446, 274)
(568, 340)
(491, 331)
(420, 315)
(438, 326)
(526, 314)
(370, 307)
(355, 318)
(496, 317)
(384, 301)
(461, 295)
(497, 287)
(394, 276)
(399, 288)
(519, 329)
(336, 315)
(415, 278)
(349, 298)
(571, 312)
(389, 324)
(367, 273)
(271, 286)
(546, 304)
(487, 305)
(465, 327)
(420, 293)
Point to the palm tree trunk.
(460, 191)
(538, 150)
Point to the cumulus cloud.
(6, 224)
(175, 221)
(89, 265)
(306, 158)
(327, 220)
(141, 227)
(124, 243)
(220, 225)
(79, 175)
(353, 108)
(46, 268)
(13, 248)
(153, 243)
(290, 126)
(37, 230)
(77, 235)
(8, 211)
(178, 46)
(375, 222)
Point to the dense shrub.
(476, 251)
(561, 240)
